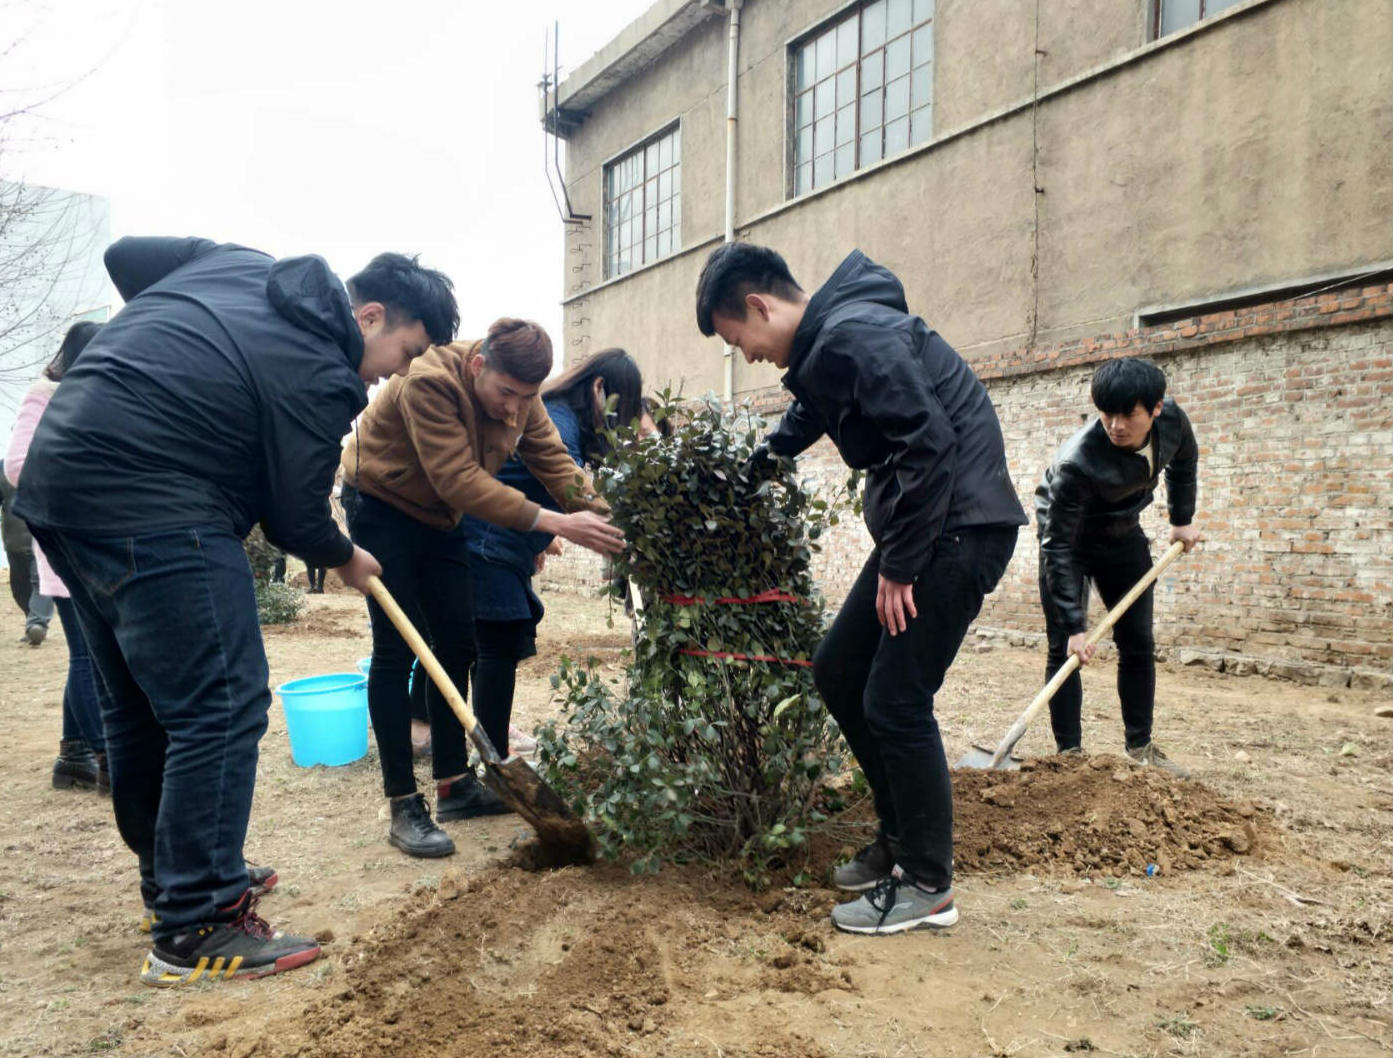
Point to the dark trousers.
(502, 644)
(427, 572)
(880, 688)
(24, 589)
(1114, 565)
(82, 705)
(170, 621)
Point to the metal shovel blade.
(564, 835)
(981, 757)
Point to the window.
(643, 203)
(1172, 15)
(862, 90)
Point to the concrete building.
(1205, 181)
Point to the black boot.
(467, 798)
(76, 766)
(414, 832)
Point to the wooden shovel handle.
(1104, 626)
(428, 660)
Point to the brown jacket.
(426, 446)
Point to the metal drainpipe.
(735, 5)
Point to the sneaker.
(1072, 751)
(34, 635)
(245, 947)
(414, 832)
(520, 744)
(896, 905)
(467, 798)
(1151, 754)
(263, 880)
(867, 869)
(76, 766)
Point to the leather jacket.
(1095, 492)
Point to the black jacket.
(218, 396)
(899, 403)
(1095, 491)
(13, 531)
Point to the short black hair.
(1120, 385)
(737, 269)
(79, 334)
(409, 292)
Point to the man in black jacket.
(216, 399)
(1088, 508)
(900, 404)
(24, 574)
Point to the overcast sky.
(341, 128)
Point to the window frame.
(854, 10)
(1157, 10)
(608, 167)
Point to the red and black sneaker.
(243, 947)
(263, 880)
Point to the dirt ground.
(1264, 930)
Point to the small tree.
(276, 603)
(716, 747)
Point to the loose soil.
(1264, 926)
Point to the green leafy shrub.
(275, 603)
(696, 757)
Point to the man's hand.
(585, 528)
(894, 605)
(1079, 644)
(356, 571)
(1189, 535)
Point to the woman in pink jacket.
(81, 759)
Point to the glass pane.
(824, 100)
(1213, 7)
(804, 150)
(625, 264)
(664, 184)
(923, 45)
(871, 110)
(677, 220)
(827, 54)
(805, 178)
(676, 145)
(650, 191)
(652, 159)
(650, 248)
(897, 58)
(626, 236)
(922, 87)
(822, 171)
(664, 214)
(896, 136)
(872, 67)
(650, 222)
(921, 125)
(823, 142)
(870, 148)
(802, 110)
(626, 208)
(846, 159)
(846, 125)
(846, 43)
(805, 72)
(665, 152)
(896, 18)
(872, 26)
(846, 87)
(897, 99)
(1177, 14)
(923, 11)
(664, 243)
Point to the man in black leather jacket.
(900, 404)
(1088, 508)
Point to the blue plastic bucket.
(326, 718)
(364, 664)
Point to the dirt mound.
(1097, 815)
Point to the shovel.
(1000, 759)
(561, 832)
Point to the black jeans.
(502, 644)
(1114, 565)
(170, 621)
(427, 572)
(880, 688)
(82, 705)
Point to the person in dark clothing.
(24, 573)
(900, 404)
(502, 560)
(1087, 509)
(215, 400)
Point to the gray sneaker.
(1151, 754)
(897, 905)
(867, 869)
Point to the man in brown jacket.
(426, 453)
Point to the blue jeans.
(82, 706)
(170, 620)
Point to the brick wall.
(1292, 404)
